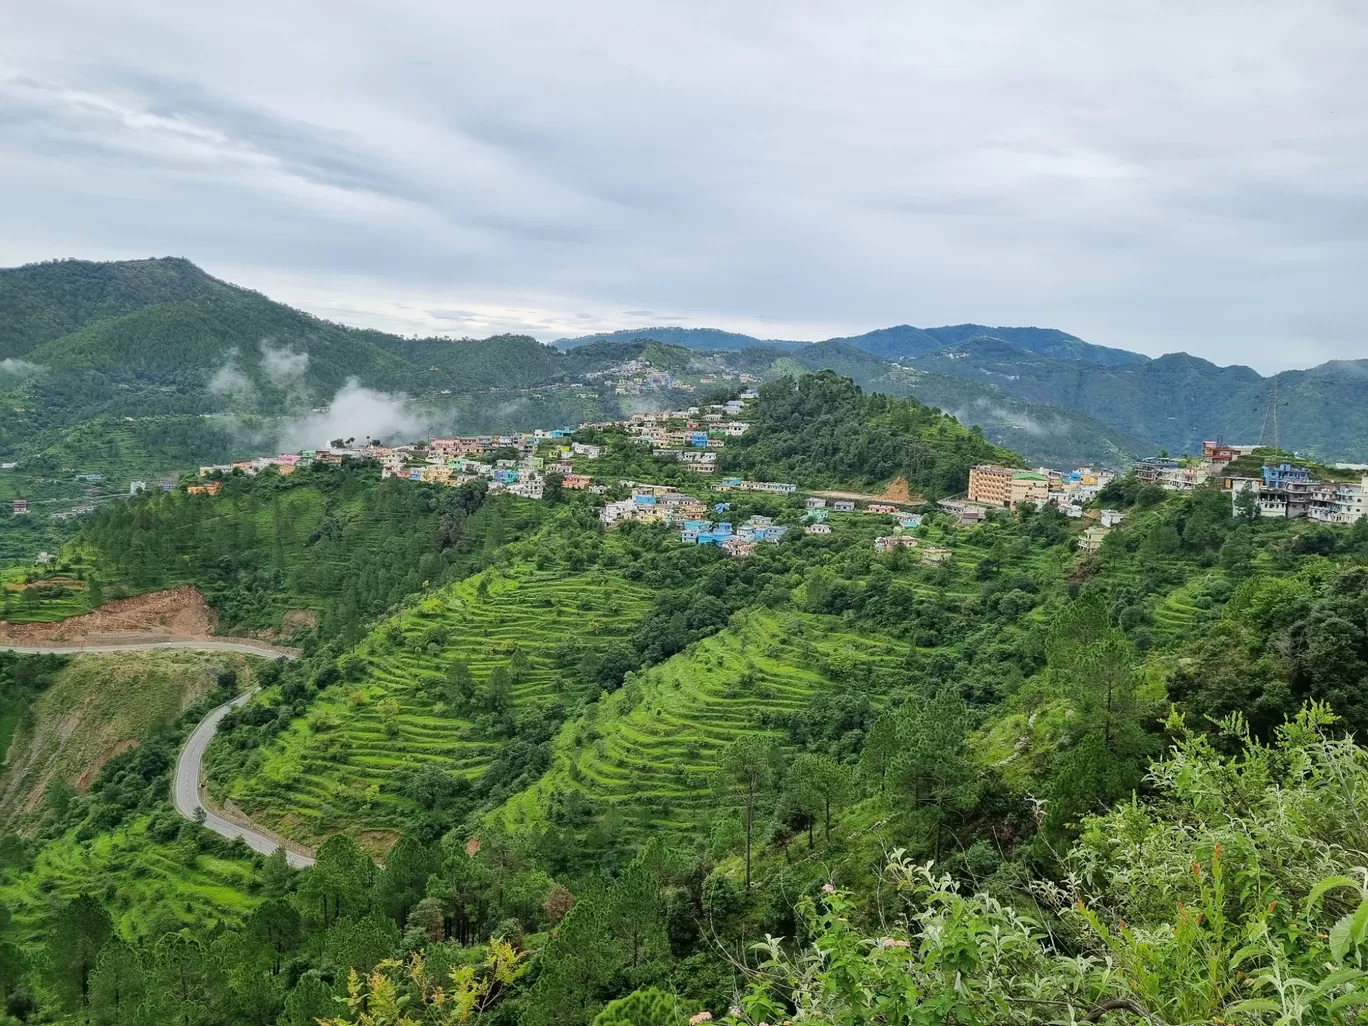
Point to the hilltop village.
(529, 465)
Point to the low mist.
(360, 413)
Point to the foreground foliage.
(1237, 894)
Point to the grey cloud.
(1162, 177)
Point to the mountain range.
(135, 367)
(1173, 402)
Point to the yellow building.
(1006, 487)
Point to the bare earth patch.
(180, 612)
(292, 621)
(897, 491)
(84, 781)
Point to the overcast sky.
(1156, 175)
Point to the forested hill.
(822, 430)
(42, 302)
(166, 320)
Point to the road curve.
(186, 791)
(188, 794)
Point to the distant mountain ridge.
(899, 342)
(123, 358)
(1174, 402)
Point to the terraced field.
(649, 750)
(135, 877)
(336, 768)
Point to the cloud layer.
(1160, 176)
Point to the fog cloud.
(282, 366)
(357, 412)
(229, 380)
(20, 368)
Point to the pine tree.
(117, 985)
(745, 774)
(80, 931)
(820, 783)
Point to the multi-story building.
(1151, 469)
(1338, 502)
(1091, 539)
(1006, 487)
(1284, 491)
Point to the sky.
(1156, 175)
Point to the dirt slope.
(179, 613)
(100, 706)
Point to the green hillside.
(824, 429)
(1199, 399)
(46, 301)
(561, 775)
(646, 754)
(333, 541)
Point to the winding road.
(187, 792)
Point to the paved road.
(190, 763)
(144, 646)
(189, 771)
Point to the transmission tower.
(1271, 420)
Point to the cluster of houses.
(928, 553)
(653, 504)
(1279, 490)
(740, 542)
(633, 377)
(692, 436)
(1288, 491)
(1183, 475)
